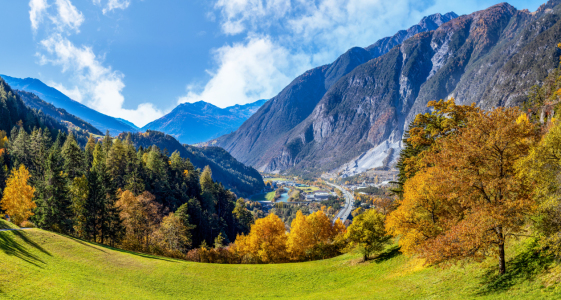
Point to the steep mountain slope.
(198, 122)
(489, 58)
(241, 179)
(59, 114)
(253, 143)
(59, 100)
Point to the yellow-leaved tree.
(17, 199)
(312, 236)
(265, 243)
(367, 233)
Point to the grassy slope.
(7, 225)
(36, 264)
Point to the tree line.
(112, 193)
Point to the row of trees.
(112, 193)
(311, 237)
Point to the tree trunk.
(502, 263)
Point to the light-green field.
(263, 197)
(36, 264)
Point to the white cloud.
(247, 72)
(36, 10)
(283, 38)
(67, 17)
(95, 84)
(101, 85)
(113, 4)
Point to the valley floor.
(36, 264)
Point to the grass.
(7, 225)
(308, 189)
(37, 264)
(264, 197)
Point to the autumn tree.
(541, 169)
(173, 236)
(367, 233)
(468, 201)
(265, 243)
(445, 118)
(17, 199)
(141, 217)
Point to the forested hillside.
(241, 179)
(59, 114)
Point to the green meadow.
(37, 264)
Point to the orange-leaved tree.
(468, 201)
(17, 199)
(265, 243)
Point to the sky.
(138, 59)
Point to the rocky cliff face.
(257, 139)
(490, 58)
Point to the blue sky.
(137, 59)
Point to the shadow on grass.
(387, 254)
(89, 244)
(11, 246)
(526, 266)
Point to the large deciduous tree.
(467, 200)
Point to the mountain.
(257, 140)
(131, 124)
(241, 179)
(59, 100)
(490, 57)
(61, 115)
(15, 113)
(198, 122)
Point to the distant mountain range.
(60, 100)
(350, 116)
(198, 122)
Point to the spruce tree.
(73, 158)
(54, 209)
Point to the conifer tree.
(73, 158)
(54, 211)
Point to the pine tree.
(73, 158)
(55, 212)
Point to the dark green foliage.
(240, 179)
(59, 114)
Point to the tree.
(174, 235)
(243, 216)
(141, 217)
(17, 199)
(73, 158)
(541, 169)
(54, 211)
(445, 119)
(265, 243)
(79, 195)
(367, 233)
(470, 195)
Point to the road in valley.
(348, 208)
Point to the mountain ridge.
(58, 99)
(198, 122)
